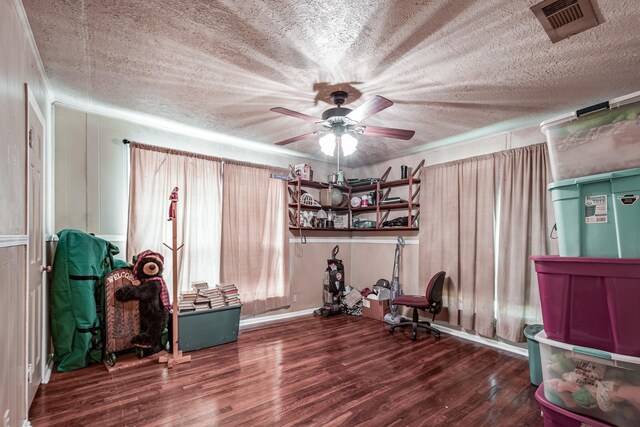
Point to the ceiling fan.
(341, 124)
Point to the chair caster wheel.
(139, 352)
(414, 336)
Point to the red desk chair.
(431, 303)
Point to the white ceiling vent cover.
(563, 18)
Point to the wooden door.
(35, 215)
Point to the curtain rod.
(275, 170)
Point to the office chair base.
(415, 326)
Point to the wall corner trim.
(24, 20)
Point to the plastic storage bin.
(207, 328)
(586, 143)
(593, 302)
(554, 416)
(594, 383)
(599, 215)
(535, 369)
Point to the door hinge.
(30, 372)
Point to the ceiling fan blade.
(292, 113)
(297, 138)
(369, 108)
(388, 132)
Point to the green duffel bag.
(77, 294)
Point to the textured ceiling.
(451, 67)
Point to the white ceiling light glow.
(329, 141)
(328, 144)
(348, 144)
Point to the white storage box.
(584, 143)
(586, 381)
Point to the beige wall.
(17, 67)
(307, 265)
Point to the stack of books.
(216, 300)
(201, 302)
(200, 286)
(203, 297)
(185, 303)
(230, 293)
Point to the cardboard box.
(333, 197)
(326, 197)
(375, 309)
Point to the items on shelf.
(303, 171)
(365, 203)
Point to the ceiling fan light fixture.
(342, 125)
(348, 144)
(328, 144)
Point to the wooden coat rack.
(176, 357)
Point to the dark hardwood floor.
(337, 371)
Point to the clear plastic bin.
(590, 382)
(602, 141)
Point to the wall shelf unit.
(378, 213)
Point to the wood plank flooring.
(310, 371)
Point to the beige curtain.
(154, 173)
(525, 220)
(255, 238)
(457, 236)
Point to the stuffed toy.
(153, 300)
(608, 392)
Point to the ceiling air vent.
(564, 18)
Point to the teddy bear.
(151, 292)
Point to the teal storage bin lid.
(531, 331)
(583, 180)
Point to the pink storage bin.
(591, 302)
(554, 416)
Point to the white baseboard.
(26, 423)
(460, 334)
(266, 319)
(481, 340)
(46, 375)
